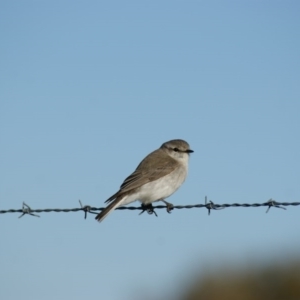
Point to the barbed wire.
(209, 205)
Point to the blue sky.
(88, 88)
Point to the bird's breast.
(162, 187)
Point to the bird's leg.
(170, 206)
(148, 208)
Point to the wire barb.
(210, 205)
(26, 210)
(273, 203)
(148, 208)
(86, 209)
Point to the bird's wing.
(151, 168)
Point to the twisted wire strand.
(209, 205)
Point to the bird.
(157, 177)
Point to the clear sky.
(88, 88)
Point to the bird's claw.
(148, 208)
(169, 207)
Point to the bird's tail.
(110, 208)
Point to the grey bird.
(157, 177)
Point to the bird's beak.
(189, 151)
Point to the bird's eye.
(176, 149)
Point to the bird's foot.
(170, 206)
(148, 208)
